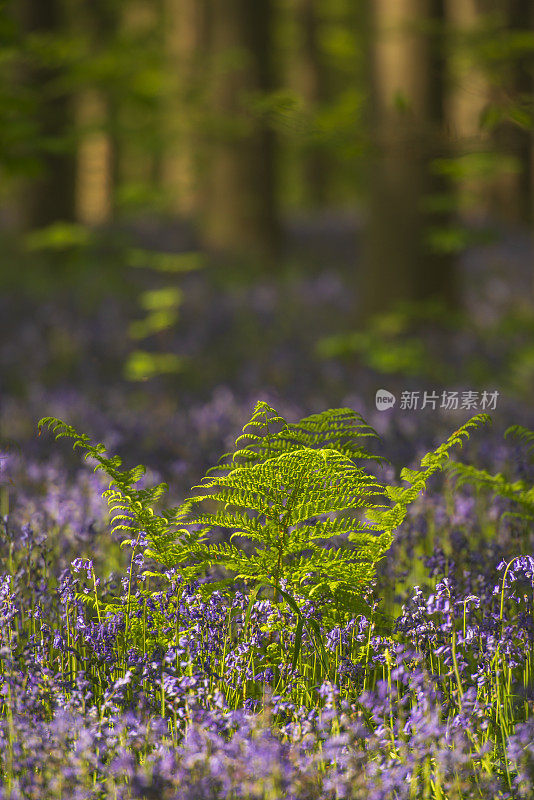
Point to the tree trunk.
(185, 46)
(406, 130)
(96, 113)
(313, 89)
(140, 125)
(512, 198)
(239, 203)
(51, 195)
(95, 185)
(467, 99)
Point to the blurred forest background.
(380, 140)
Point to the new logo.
(384, 399)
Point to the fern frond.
(340, 429)
(517, 491)
(524, 435)
(131, 510)
(304, 486)
(289, 489)
(432, 462)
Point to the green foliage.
(284, 495)
(59, 236)
(341, 429)
(518, 491)
(164, 262)
(390, 344)
(284, 506)
(142, 365)
(431, 463)
(407, 356)
(161, 307)
(131, 509)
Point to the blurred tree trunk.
(96, 116)
(406, 135)
(51, 195)
(98, 161)
(512, 197)
(313, 88)
(239, 199)
(139, 113)
(185, 38)
(467, 98)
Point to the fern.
(518, 491)
(432, 462)
(286, 493)
(523, 434)
(131, 510)
(289, 506)
(340, 429)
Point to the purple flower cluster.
(191, 701)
